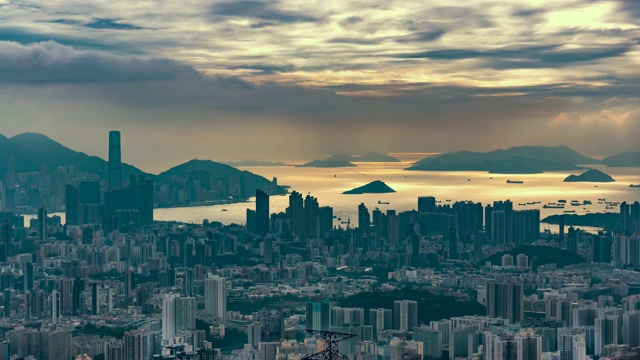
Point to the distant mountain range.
(327, 164)
(248, 163)
(31, 150)
(368, 157)
(515, 160)
(627, 159)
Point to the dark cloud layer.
(50, 62)
(266, 11)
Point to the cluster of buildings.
(113, 284)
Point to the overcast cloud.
(268, 79)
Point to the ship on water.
(515, 182)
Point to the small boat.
(562, 201)
(553, 207)
(490, 178)
(569, 211)
(602, 199)
(383, 202)
(522, 204)
(587, 202)
(468, 179)
(515, 182)
(224, 210)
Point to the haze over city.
(320, 180)
(247, 79)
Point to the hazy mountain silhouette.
(627, 159)
(515, 160)
(368, 157)
(592, 175)
(374, 187)
(254, 163)
(31, 150)
(218, 171)
(327, 164)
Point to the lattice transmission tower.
(331, 340)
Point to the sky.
(296, 80)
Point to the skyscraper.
(364, 219)
(115, 161)
(262, 212)
(71, 204)
(295, 212)
(499, 221)
(215, 297)
(42, 224)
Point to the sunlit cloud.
(413, 73)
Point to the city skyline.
(348, 77)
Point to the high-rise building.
(311, 219)
(427, 204)
(499, 221)
(262, 212)
(634, 222)
(28, 276)
(295, 213)
(42, 224)
(137, 345)
(431, 342)
(115, 161)
(405, 314)
(325, 215)
(168, 317)
(215, 297)
(606, 332)
(71, 204)
(318, 316)
(625, 218)
(505, 299)
(185, 314)
(392, 227)
(95, 299)
(364, 219)
(630, 328)
(526, 226)
(469, 216)
(601, 247)
(380, 319)
(352, 316)
(55, 307)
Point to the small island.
(592, 175)
(374, 187)
(327, 164)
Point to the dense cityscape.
(457, 280)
